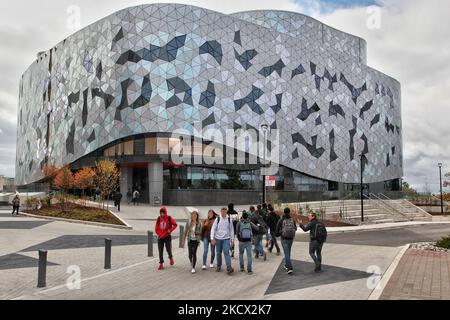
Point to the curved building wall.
(158, 68)
(310, 31)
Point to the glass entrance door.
(140, 183)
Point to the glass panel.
(119, 149)
(163, 146)
(151, 146)
(129, 148)
(139, 147)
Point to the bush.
(444, 243)
(32, 203)
(47, 201)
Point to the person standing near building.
(245, 230)
(16, 204)
(272, 222)
(287, 229)
(318, 235)
(165, 225)
(192, 235)
(222, 234)
(136, 196)
(117, 200)
(206, 238)
(129, 196)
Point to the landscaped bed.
(77, 212)
(328, 223)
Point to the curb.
(97, 224)
(376, 294)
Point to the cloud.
(412, 46)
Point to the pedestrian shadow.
(305, 277)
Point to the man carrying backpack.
(287, 229)
(165, 225)
(318, 234)
(258, 220)
(222, 235)
(272, 222)
(244, 230)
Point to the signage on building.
(271, 181)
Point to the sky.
(407, 39)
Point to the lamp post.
(440, 183)
(265, 128)
(362, 157)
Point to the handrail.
(390, 207)
(389, 199)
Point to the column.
(155, 183)
(126, 181)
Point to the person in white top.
(222, 235)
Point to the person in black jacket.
(272, 222)
(258, 220)
(286, 229)
(234, 215)
(315, 246)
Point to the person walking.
(264, 212)
(251, 212)
(258, 220)
(136, 196)
(206, 239)
(117, 200)
(192, 234)
(318, 236)
(287, 229)
(165, 226)
(245, 230)
(129, 196)
(222, 234)
(16, 204)
(272, 222)
(235, 218)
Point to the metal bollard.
(42, 269)
(108, 246)
(150, 244)
(181, 236)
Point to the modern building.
(120, 87)
(7, 184)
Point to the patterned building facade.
(120, 86)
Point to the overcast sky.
(409, 42)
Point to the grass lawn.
(77, 212)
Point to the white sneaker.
(204, 268)
(193, 271)
(211, 266)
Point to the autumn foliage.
(106, 178)
(84, 179)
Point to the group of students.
(218, 232)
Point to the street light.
(264, 128)
(363, 158)
(442, 196)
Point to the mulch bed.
(77, 212)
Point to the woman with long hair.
(206, 238)
(193, 235)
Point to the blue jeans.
(258, 245)
(287, 247)
(246, 246)
(268, 235)
(206, 245)
(223, 246)
(315, 251)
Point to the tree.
(447, 182)
(106, 178)
(84, 179)
(408, 189)
(64, 181)
(50, 172)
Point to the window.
(139, 147)
(163, 146)
(151, 146)
(129, 148)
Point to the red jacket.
(164, 227)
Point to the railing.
(403, 208)
(387, 206)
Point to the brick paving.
(421, 275)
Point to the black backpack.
(321, 233)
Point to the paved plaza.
(353, 262)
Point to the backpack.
(245, 231)
(321, 233)
(262, 228)
(218, 221)
(289, 229)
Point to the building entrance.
(140, 183)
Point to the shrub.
(47, 201)
(444, 243)
(32, 203)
